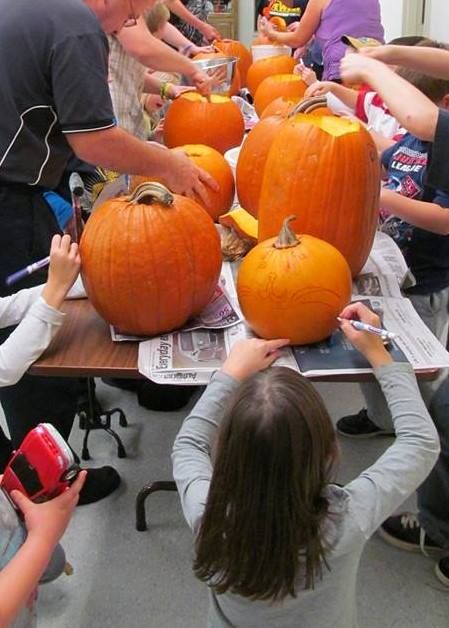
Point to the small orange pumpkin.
(216, 165)
(293, 287)
(194, 119)
(150, 261)
(259, 70)
(234, 48)
(287, 85)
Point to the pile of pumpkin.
(152, 260)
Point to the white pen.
(383, 333)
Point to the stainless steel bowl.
(223, 68)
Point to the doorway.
(416, 17)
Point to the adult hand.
(63, 270)
(356, 67)
(48, 521)
(184, 177)
(369, 345)
(209, 32)
(250, 356)
(202, 81)
(196, 50)
(174, 91)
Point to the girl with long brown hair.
(276, 541)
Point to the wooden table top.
(83, 347)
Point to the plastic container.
(262, 51)
(231, 157)
(226, 71)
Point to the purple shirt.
(357, 18)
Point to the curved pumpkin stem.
(286, 239)
(308, 105)
(150, 192)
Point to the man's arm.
(120, 151)
(428, 216)
(414, 111)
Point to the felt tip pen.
(28, 270)
(383, 333)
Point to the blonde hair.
(156, 17)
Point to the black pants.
(27, 227)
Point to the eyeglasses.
(132, 17)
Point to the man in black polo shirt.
(54, 101)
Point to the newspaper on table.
(221, 312)
(191, 357)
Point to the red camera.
(42, 467)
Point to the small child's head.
(156, 18)
(437, 90)
(275, 453)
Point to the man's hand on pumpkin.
(184, 177)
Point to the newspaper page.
(192, 357)
(222, 311)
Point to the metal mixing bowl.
(227, 65)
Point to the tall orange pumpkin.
(288, 85)
(216, 165)
(251, 162)
(194, 119)
(326, 171)
(259, 70)
(150, 261)
(293, 287)
(234, 48)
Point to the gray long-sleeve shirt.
(357, 509)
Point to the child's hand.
(250, 356)
(63, 270)
(319, 88)
(369, 345)
(48, 521)
(307, 75)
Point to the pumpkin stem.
(308, 105)
(286, 239)
(150, 192)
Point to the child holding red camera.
(25, 550)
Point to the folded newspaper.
(190, 357)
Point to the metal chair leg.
(141, 523)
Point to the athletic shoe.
(360, 426)
(442, 571)
(405, 532)
(99, 484)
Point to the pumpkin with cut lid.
(150, 261)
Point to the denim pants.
(433, 494)
(28, 225)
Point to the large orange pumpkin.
(216, 165)
(326, 171)
(259, 70)
(194, 119)
(287, 85)
(251, 162)
(150, 261)
(236, 81)
(234, 48)
(293, 287)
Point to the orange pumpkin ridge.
(259, 70)
(287, 85)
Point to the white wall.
(246, 21)
(439, 20)
(392, 17)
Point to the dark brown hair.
(261, 533)
(434, 88)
